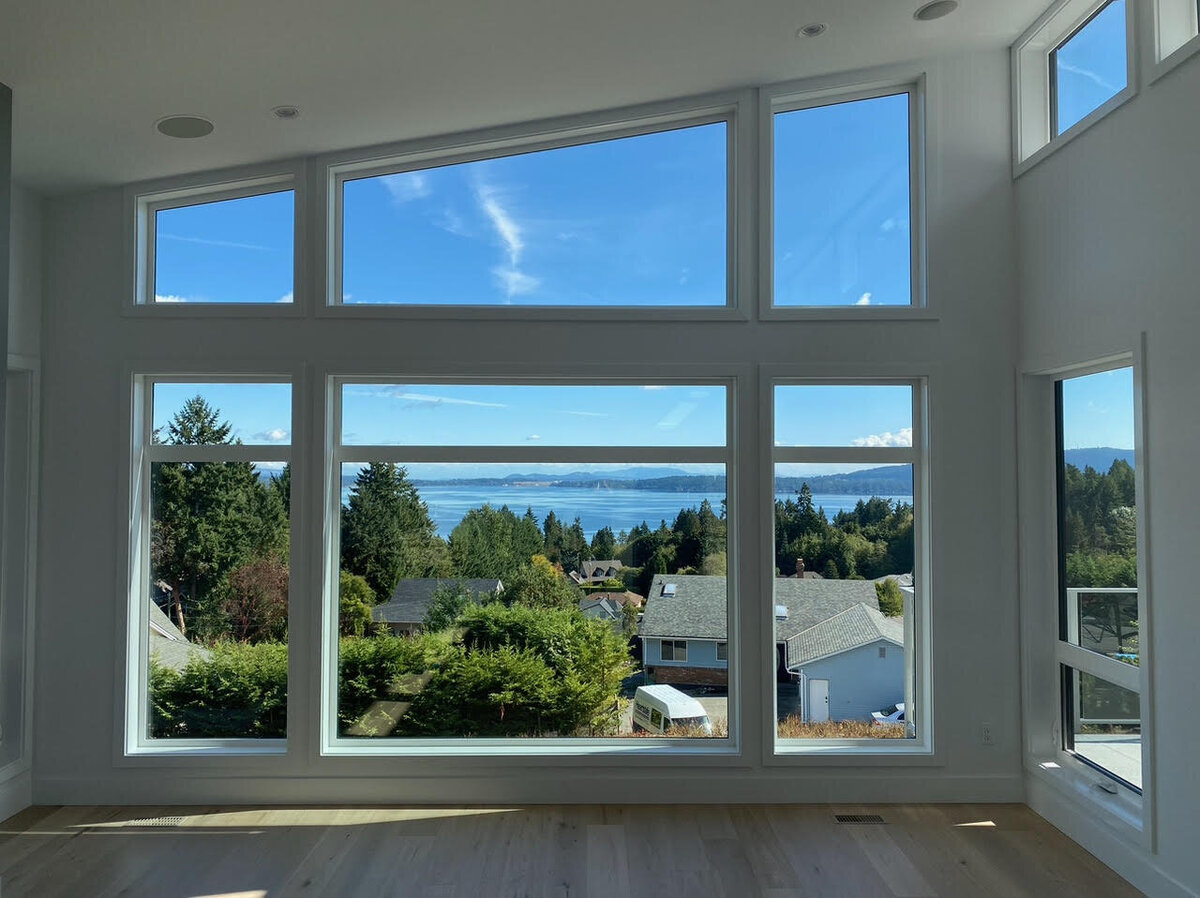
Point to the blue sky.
(1098, 410)
(1091, 67)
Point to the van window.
(656, 717)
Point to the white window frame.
(917, 625)
(1043, 655)
(797, 96)
(735, 110)
(677, 645)
(1033, 132)
(1174, 35)
(144, 201)
(1068, 655)
(133, 699)
(336, 454)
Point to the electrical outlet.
(986, 735)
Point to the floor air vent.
(858, 818)
(154, 821)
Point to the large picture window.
(638, 221)
(515, 561)
(211, 567)
(1100, 602)
(848, 585)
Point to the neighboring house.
(604, 609)
(902, 580)
(597, 571)
(825, 630)
(405, 614)
(849, 665)
(167, 645)
(621, 598)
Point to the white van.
(658, 708)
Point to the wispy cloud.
(534, 436)
(425, 398)
(404, 187)
(1087, 74)
(204, 241)
(676, 416)
(902, 437)
(510, 277)
(275, 435)
(451, 222)
(654, 386)
(170, 297)
(864, 300)
(584, 414)
(287, 297)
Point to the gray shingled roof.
(698, 608)
(599, 567)
(601, 609)
(167, 644)
(412, 597)
(857, 626)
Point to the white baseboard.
(130, 787)
(1078, 822)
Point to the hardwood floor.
(958, 851)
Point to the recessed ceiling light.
(935, 10)
(184, 127)
(812, 30)
(287, 113)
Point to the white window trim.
(734, 109)
(144, 200)
(795, 96)
(1032, 129)
(520, 751)
(132, 746)
(1172, 36)
(1128, 815)
(918, 629)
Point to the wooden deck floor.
(957, 851)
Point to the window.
(637, 221)
(848, 576)
(219, 247)
(843, 203)
(211, 567)
(1100, 602)
(1072, 67)
(1089, 67)
(722, 651)
(1176, 35)
(468, 514)
(674, 649)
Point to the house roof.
(601, 609)
(167, 644)
(699, 607)
(901, 579)
(599, 567)
(621, 598)
(853, 628)
(411, 597)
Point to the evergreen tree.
(604, 544)
(387, 533)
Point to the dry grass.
(795, 728)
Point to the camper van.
(658, 708)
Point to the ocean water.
(620, 509)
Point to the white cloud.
(534, 436)
(902, 437)
(864, 300)
(275, 435)
(427, 398)
(204, 241)
(1088, 74)
(511, 279)
(172, 298)
(451, 222)
(514, 282)
(287, 297)
(654, 386)
(407, 186)
(585, 414)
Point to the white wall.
(967, 348)
(1109, 244)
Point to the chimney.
(799, 568)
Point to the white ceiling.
(90, 79)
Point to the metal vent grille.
(154, 821)
(858, 818)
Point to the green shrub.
(238, 691)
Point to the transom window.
(1089, 66)
(637, 221)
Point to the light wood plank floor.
(957, 851)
